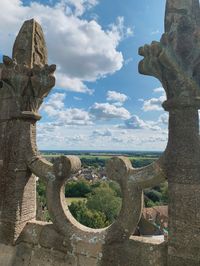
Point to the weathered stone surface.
(29, 255)
(7, 255)
(175, 61)
(24, 81)
(29, 47)
(137, 251)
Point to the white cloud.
(57, 136)
(155, 104)
(155, 32)
(115, 96)
(101, 133)
(119, 31)
(54, 104)
(77, 98)
(80, 6)
(74, 116)
(82, 50)
(78, 138)
(159, 89)
(163, 119)
(75, 137)
(117, 140)
(107, 111)
(118, 104)
(128, 60)
(55, 109)
(136, 123)
(72, 84)
(153, 140)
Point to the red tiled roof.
(152, 213)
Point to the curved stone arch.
(131, 181)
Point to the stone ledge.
(154, 240)
(40, 238)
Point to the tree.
(100, 209)
(87, 217)
(78, 188)
(115, 187)
(104, 200)
(164, 191)
(41, 192)
(157, 195)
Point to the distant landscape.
(98, 158)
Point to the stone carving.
(29, 47)
(175, 61)
(26, 79)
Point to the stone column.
(183, 171)
(24, 82)
(17, 185)
(175, 61)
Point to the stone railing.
(97, 245)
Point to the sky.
(100, 101)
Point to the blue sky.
(100, 101)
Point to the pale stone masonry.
(25, 80)
(175, 61)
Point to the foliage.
(153, 195)
(42, 202)
(104, 199)
(164, 191)
(100, 209)
(100, 161)
(141, 162)
(93, 161)
(87, 217)
(156, 196)
(78, 188)
(115, 187)
(81, 188)
(41, 192)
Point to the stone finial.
(30, 47)
(26, 79)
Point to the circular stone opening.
(94, 203)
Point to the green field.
(70, 200)
(102, 157)
(99, 159)
(106, 157)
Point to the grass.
(70, 200)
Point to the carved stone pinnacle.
(30, 47)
